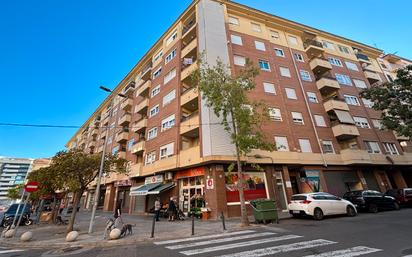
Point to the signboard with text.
(153, 179)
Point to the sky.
(55, 54)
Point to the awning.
(144, 189)
(344, 117)
(162, 188)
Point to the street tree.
(15, 192)
(227, 95)
(394, 99)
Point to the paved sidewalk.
(53, 236)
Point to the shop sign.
(153, 179)
(194, 172)
(210, 184)
(122, 183)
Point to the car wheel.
(396, 206)
(373, 208)
(350, 211)
(28, 222)
(318, 214)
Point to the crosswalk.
(252, 243)
(4, 251)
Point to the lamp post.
(99, 177)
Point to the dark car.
(371, 201)
(403, 196)
(11, 212)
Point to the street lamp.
(99, 177)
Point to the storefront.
(123, 194)
(191, 186)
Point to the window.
(359, 83)
(285, 72)
(248, 107)
(319, 120)
(292, 40)
(343, 79)
(170, 56)
(297, 118)
(372, 147)
(167, 150)
(352, 66)
(154, 111)
(152, 133)
(305, 75)
(169, 97)
(299, 57)
(155, 91)
(291, 93)
(264, 65)
(361, 122)
(115, 150)
(158, 56)
(274, 114)
(109, 140)
(112, 126)
(389, 77)
(282, 144)
(335, 61)
(368, 103)
(377, 124)
(169, 76)
(269, 88)
(157, 73)
(279, 52)
(168, 123)
(260, 46)
(239, 60)
(130, 144)
(312, 97)
(150, 157)
(390, 148)
(171, 38)
(328, 45)
(237, 40)
(305, 146)
(351, 100)
(327, 147)
(274, 35)
(343, 49)
(233, 21)
(256, 27)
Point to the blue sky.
(55, 54)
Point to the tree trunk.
(76, 201)
(55, 209)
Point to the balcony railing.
(362, 57)
(312, 42)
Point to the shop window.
(254, 186)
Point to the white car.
(319, 205)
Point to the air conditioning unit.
(168, 176)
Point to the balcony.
(141, 108)
(334, 104)
(320, 65)
(92, 144)
(140, 125)
(125, 119)
(143, 90)
(327, 85)
(126, 104)
(354, 156)
(313, 48)
(189, 99)
(135, 170)
(129, 89)
(189, 29)
(121, 154)
(345, 131)
(372, 76)
(100, 149)
(190, 156)
(94, 131)
(363, 58)
(122, 136)
(103, 134)
(190, 49)
(138, 148)
(160, 165)
(187, 72)
(146, 72)
(189, 126)
(105, 119)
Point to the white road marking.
(11, 251)
(350, 252)
(221, 240)
(282, 248)
(236, 245)
(203, 237)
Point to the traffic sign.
(31, 187)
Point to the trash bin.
(264, 210)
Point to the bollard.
(223, 221)
(153, 226)
(193, 225)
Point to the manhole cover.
(66, 251)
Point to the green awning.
(158, 190)
(144, 189)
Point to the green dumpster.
(264, 210)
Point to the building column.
(322, 181)
(362, 179)
(383, 181)
(399, 180)
(288, 184)
(109, 198)
(216, 197)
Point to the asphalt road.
(384, 234)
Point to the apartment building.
(13, 171)
(327, 137)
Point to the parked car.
(319, 205)
(403, 196)
(371, 201)
(8, 216)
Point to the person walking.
(157, 207)
(171, 209)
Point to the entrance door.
(280, 190)
(189, 187)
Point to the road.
(384, 234)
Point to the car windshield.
(298, 197)
(408, 192)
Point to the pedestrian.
(171, 209)
(118, 215)
(157, 208)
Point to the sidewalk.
(53, 236)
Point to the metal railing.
(312, 42)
